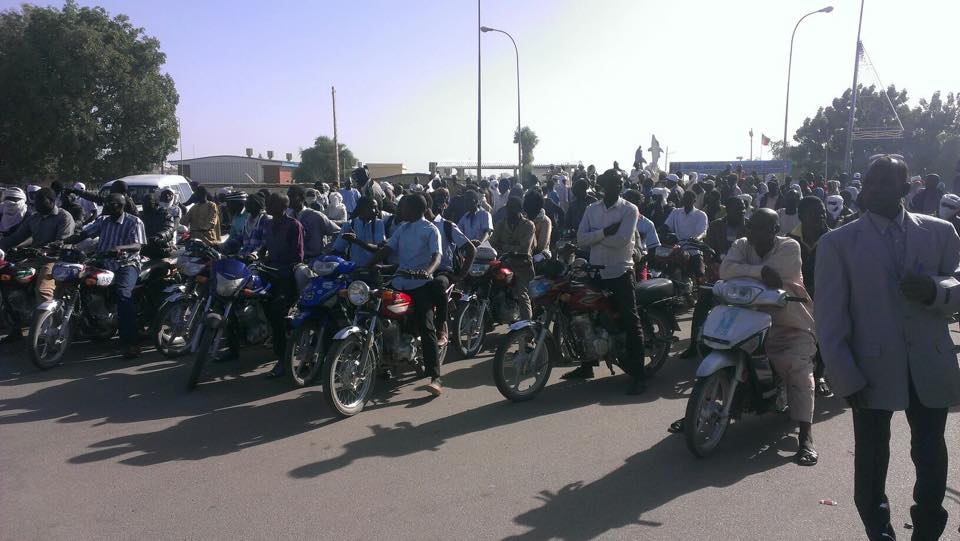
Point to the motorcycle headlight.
(358, 292)
(324, 268)
(227, 287)
(737, 293)
(65, 272)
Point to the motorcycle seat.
(653, 290)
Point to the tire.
(704, 400)
(510, 385)
(47, 351)
(172, 314)
(470, 329)
(304, 354)
(203, 355)
(339, 395)
(658, 334)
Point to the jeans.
(625, 303)
(928, 449)
(124, 280)
(283, 293)
(423, 304)
(439, 286)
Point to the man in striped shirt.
(120, 233)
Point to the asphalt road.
(102, 448)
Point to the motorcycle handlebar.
(797, 299)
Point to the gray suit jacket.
(871, 338)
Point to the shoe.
(276, 372)
(806, 457)
(434, 387)
(689, 353)
(823, 388)
(584, 371)
(14, 336)
(132, 352)
(636, 387)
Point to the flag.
(764, 140)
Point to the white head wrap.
(13, 211)
(949, 206)
(834, 206)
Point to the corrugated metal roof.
(281, 163)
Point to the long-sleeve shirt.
(41, 228)
(514, 238)
(615, 252)
(203, 221)
(687, 225)
(112, 232)
(742, 261)
(316, 228)
(648, 233)
(543, 228)
(283, 240)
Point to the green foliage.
(930, 143)
(317, 162)
(82, 96)
(528, 141)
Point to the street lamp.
(519, 132)
(786, 109)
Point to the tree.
(528, 141)
(83, 96)
(929, 143)
(317, 162)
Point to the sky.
(597, 77)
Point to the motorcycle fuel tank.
(728, 326)
(586, 298)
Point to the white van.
(141, 185)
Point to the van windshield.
(137, 192)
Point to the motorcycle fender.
(213, 320)
(300, 318)
(522, 324)
(347, 331)
(48, 306)
(717, 360)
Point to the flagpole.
(751, 144)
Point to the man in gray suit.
(885, 289)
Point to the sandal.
(807, 457)
(676, 427)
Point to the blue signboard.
(762, 167)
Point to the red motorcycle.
(487, 300)
(576, 324)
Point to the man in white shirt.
(609, 230)
(688, 222)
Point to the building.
(383, 170)
(236, 170)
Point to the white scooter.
(736, 376)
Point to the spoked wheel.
(705, 424)
(208, 347)
(658, 339)
(470, 329)
(49, 338)
(304, 355)
(176, 323)
(348, 378)
(519, 369)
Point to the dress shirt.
(687, 225)
(648, 233)
(518, 238)
(42, 229)
(127, 229)
(449, 245)
(895, 236)
(372, 232)
(615, 252)
(475, 224)
(283, 240)
(414, 243)
(316, 227)
(350, 198)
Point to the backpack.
(456, 256)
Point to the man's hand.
(611, 229)
(350, 237)
(771, 278)
(919, 288)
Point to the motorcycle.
(85, 303)
(17, 278)
(487, 300)
(736, 376)
(683, 263)
(233, 314)
(320, 312)
(576, 324)
(178, 316)
(382, 336)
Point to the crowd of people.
(876, 255)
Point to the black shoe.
(584, 371)
(277, 371)
(823, 388)
(636, 387)
(13, 337)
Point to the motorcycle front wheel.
(50, 336)
(204, 350)
(175, 326)
(348, 376)
(304, 355)
(658, 340)
(471, 329)
(704, 424)
(519, 369)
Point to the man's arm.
(487, 227)
(947, 299)
(166, 229)
(626, 230)
(701, 225)
(735, 264)
(66, 227)
(22, 233)
(833, 320)
(586, 234)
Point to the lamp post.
(519, 132)
(786, 109)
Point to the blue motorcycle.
(320, 313)
(235, 312)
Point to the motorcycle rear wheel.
(204, 350)
(175, 326)
(471, 329)
(304, 355)
(659, 340)
(703, 425)
(509, 376)
(348, 384)
(47, 351)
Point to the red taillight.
(395, 303)
(504, 275)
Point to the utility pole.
(751, 144)
(479, 144)
(848, 154)
(336, 144)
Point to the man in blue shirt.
(350, 197)
(476, 224)
(362, 236)
(418, 248)
(120, 232)
(451, 241)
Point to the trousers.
(423, 305)
(625, 303)
(928, 449)
(791, 353)
(124, 280)
(283, 291)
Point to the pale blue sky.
(598, 77)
